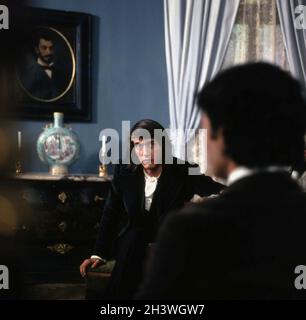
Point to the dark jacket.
(37, 83)
(244, 244)
(125, 200)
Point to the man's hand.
(92, 262)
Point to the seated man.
(140, 197)
(247, 242)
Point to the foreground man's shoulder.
(190, 213)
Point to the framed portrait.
(54, 65)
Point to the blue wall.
(129, 73)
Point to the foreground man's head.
(255, 115)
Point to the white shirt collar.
(242, 172)
(150, 187)
(238, 173)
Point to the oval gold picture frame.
(72, 74)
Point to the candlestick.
(103, 170)
(18, 169)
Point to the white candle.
(103, 145)
(19, 140)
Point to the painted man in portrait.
(44, 78)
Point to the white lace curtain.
(257, 35)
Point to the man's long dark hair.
(261, 111)
(150, 126)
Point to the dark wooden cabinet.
(58, 223)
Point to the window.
(257, 35)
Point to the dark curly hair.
(42, 33)
(261, 110)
